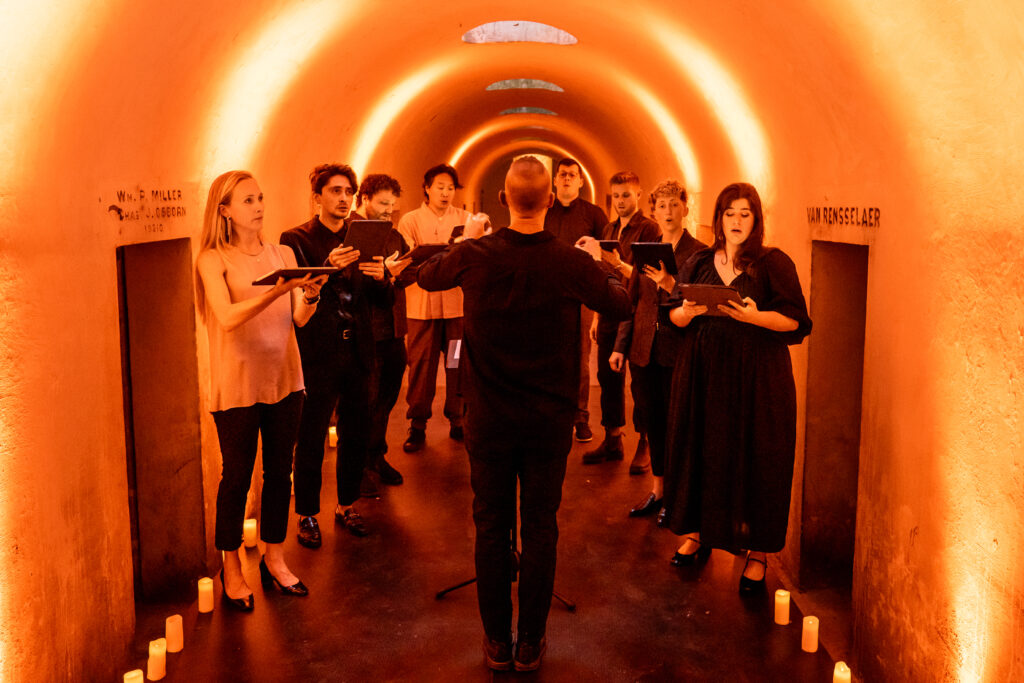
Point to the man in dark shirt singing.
(570, 218)
(337, 351)
(523, 290)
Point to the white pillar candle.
(841, 674)
(156, 668)
(135, 676)
(249, 533)
(782, 607)
(205, 594)
(174, 634)
(809, 640)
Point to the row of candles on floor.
(809, 637)
(173, 640)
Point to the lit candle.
(249, 533)
(174, 635)
(134, 676)
(332, 437)
(205, 594)
(156, 668)
(782, 607)
(809, 640)
(841, 674)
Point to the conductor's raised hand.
(394, 265)
(589, 245)
(746, 312)
(374, 268)
(617, 361)
(477, 225)
(342, 257)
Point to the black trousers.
(652, 389)
(613, 384)
(345, 386)
(387, 384)
(494, 477)
(237, 431)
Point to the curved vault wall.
(913, 109)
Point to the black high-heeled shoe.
(701, 554)
(245, 604)
(750, 586)
(268, 580)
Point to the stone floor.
(372, 613)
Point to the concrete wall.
(913, 109)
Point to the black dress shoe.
(663, 517)
(498, 654)
(241, 604)
(352, 521)
(298, 589)
(701, 554)
(648, 506)
(417, 438)
(750, 586)
(528, 654)
(309, 532)
(388, 474)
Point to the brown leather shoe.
(498, 654)
(642, 458)
(528, 654)
(610, 449)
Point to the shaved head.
(528, 187)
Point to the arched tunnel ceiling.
(433, 87)
(700, 92)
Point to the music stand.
(514, 559)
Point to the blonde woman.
(256, 385)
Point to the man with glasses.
(571, 218)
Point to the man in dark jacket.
(523, 290)
(337, 351)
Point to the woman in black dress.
(732, 432)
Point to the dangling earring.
(227, 229)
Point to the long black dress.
(732, 420)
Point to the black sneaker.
(309, 532)
(583, 433)
(528, 654)
(497, 654)
(417, 439)
(388, 474)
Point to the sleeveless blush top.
(258, 361)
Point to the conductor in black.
(523, 289)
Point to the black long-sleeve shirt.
(343, 308)
(569, 223)
(520, 352)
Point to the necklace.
(258, 255)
